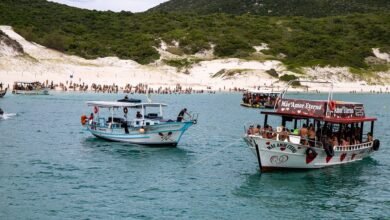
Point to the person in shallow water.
(1, 111)
(181, 115)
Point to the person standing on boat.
(90, 117)
(304, 134)
(180, 117)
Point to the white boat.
(265, 98)
(149, 128)
(332, 121)
(29, 88)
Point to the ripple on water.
(50, 167)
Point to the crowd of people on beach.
(311, 135)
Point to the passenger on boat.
(180, 117)
(335, 142)
(304, 134)
(138, 115)
(344, 142)
(90, 117)
(355, 141)
(284, 135)
(256, 130)
(369, 137)
(251, 130)
(270, 133)
(312, 135)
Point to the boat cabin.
(319, 123)
(145, 114)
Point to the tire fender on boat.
(125, 110)
(376, 145)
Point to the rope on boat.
(192, 165)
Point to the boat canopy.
(104, 104)
(20, 82)
(265, 92)
(339, 112)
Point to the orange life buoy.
(125, 110)
(332, 105)
(83, 119)
(95, 109)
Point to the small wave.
(6, 116)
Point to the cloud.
(113, 5)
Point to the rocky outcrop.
(8, 46)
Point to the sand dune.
(40, 64)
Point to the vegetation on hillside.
(307, 8)
(296, 41)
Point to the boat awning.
(348, 120)
(265, 92)
(145, 105)
(326, 119)
(104, 104)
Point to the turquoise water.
(51, 169)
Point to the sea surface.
(50, 168)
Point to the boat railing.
(353, 147)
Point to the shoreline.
(231, 74)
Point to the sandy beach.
(45, 65)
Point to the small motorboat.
(313, 134)
(260, 99)
(3, 92)
(29, 88)
(148, 127)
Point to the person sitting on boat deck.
(270, 133)
(354, 141)
(312, 135)
(369, 137)
(335, 142)
(304, 134)
(180, 117)
(265, 130)
(250, 130)
(344, 142)
(126, 97)
(138, 115)
(256, 130)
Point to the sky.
(113, 5)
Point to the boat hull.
(31, 92)
(168, 134)
(2, 93)
(276, 155)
